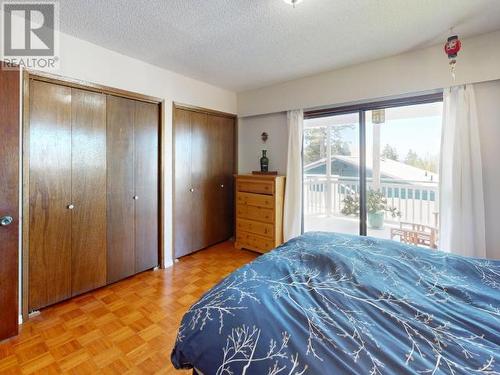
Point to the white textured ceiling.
(245, 44)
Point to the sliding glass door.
(402, 162)
(373, 170)
(331, 172)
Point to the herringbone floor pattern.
(125, 328)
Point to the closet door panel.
(216, 182)
(222, 156)
(200, 175)
(226, 130)
(204, 161)
(120, 188)
(183, 198)
(50, 194)
(146, 185)
(213, 162)
(88, 111)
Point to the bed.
(327, 303)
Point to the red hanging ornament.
(451, 48)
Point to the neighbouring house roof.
(388, 168)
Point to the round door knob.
(135, 197)
(191, 190)
(6, 220)
(222, 186)
(71, 206)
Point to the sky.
(422, 135)
(416, 127)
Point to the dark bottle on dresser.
(264, 162)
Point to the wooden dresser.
(259, 212)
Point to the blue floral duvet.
(326, 303)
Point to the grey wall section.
(488, 108)
(250, 145)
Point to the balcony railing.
(417, 201)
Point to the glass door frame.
(361, 109)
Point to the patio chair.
(416, 234)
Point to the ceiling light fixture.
(292, 2)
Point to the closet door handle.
(71, 206)
(6, 220)
(191, 190)
(135, 197)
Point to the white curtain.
(292, 218)
(462, 223)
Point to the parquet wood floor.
(125, 328)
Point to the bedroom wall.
(421, 70)
(82, 60)
(86, 61)
(488, 108)
(250, 143)
(415, 72)
(488, 105)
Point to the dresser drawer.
(258, 200)
(253, 186)
(263, 229)
(253, 242)
(255, 213)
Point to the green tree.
(411, 158)
(428, 163)
(390, 152)
(315, 142)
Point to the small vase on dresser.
(259, 212)
(264, 162)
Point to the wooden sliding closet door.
(94, 189)
(50, 194)
(225, 180)
(200, 179)
(146, 185)
(203, 179)
(183, 203)
(88, 235)
(219, 183)
(120, 188)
